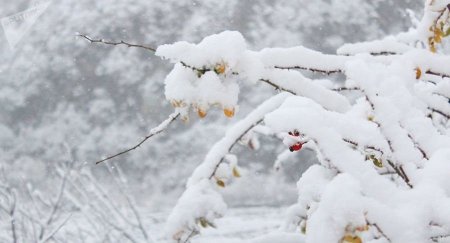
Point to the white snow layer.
(384, 157)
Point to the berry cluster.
(298, 145)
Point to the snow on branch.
(383, 158)
(200, 204)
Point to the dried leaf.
(377, 162)
(203, 222)
(418, 73)
(250, 144)
(236, 172)
(201, 113)
(303, 227)
(220, 183)
(432, 44)
(351, 239)
(229, 112)
(437, 35)
(220, 68)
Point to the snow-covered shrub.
(381, 136)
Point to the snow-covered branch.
(383, 157)
(201, 203)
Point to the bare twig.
(365, 147)
(276, 86)
(440, 113)
(379, 230)
(327, 72)
(384, 53)
(442, 75)
(380, 53)
(160, 128)
(416, 144)
(345, 89)
(115, 43)
(400, 172)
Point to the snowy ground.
(237, 226)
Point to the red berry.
(295, 147)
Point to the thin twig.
(380, 53)
(416, 144)
(115, 43)
(439, 112)
(327, 72)
(160, 128)
(345, 89)
(276, 86)
(200, 71)
(379, 230)
(400, 172)
(365, 147)
(443, 75)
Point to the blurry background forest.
(66, 100)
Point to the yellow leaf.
(432, 44)
(433, 48)
(418, 73)
(236, 172)
(351, 239)
(229, 112)
(201, 113)
(437, 35)
(377, 162)
(220, 68)
(220, 183)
